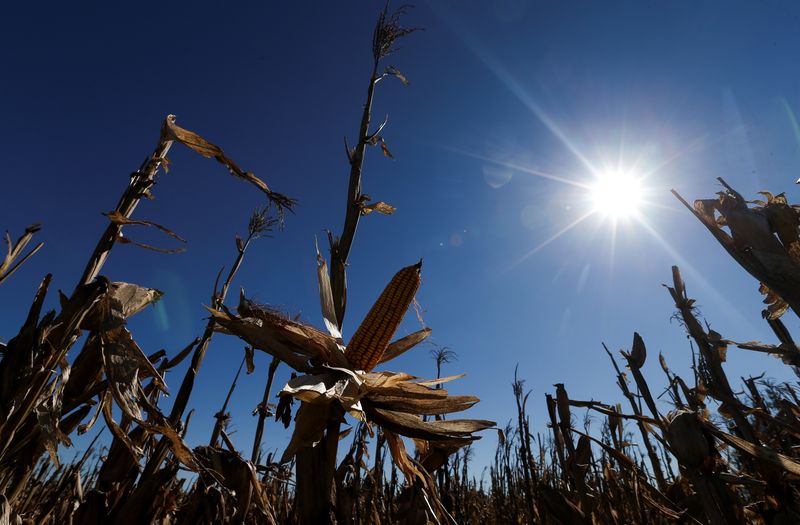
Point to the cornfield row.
(716, 456)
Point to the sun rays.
(616, 194)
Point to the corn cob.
(376, 330)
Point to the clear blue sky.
(683, 91)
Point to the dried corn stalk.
(763, 239)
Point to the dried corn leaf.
(623, 460)
(133, 298)
(122, 372)
(784, 221)
(130, 353)
(434, 382)
(663, 362)
(740, 479)
(70, 422)
(583, 453)
(7, 514)
(157, 423)
(401, 458)
(404, 344)
(434, 454)
(264, 505)
(183, 354)
(752, 242)
(326, 296)
(413, 426)
(380, 207)
(384, 379)
(391, 70)
(776, 306)
(667, 512)
(14, 251)
(86, 427)
(325, 387)
(194, 141)
(268, 337)
(121, 220)
(611, 412)
(638, 353)
(463, 426)
(48, 428)
(171, 131)
(445, 405)
(788, 354)
(344, 433)
(120, 301)
(309, 426)
(115, 429)
(407, 390)
(249, 358)
(124, 240)
(562, 404)
(305, 338)
(564, 509)
(385, 150)
(760, 452)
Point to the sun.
(616, 194)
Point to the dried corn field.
(370, 445)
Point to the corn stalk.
(316, 465)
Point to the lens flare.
(616, 194)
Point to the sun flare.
(616, 194)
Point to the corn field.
(712, 454)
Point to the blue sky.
(500, 91)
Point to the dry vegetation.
(717, 456)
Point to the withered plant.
(337, 378)
(704, 449)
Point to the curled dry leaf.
(171, 131)
(393, 71)
(326, 386)
(776, 306)
(86, 427)
(49, 432)
(121, 220)
(400, 456)
(638, 353)
(249, 358)
(120, 301)
(14, 251)
(562, 404)
(115, 429)
(385, 150)
(380, 207)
